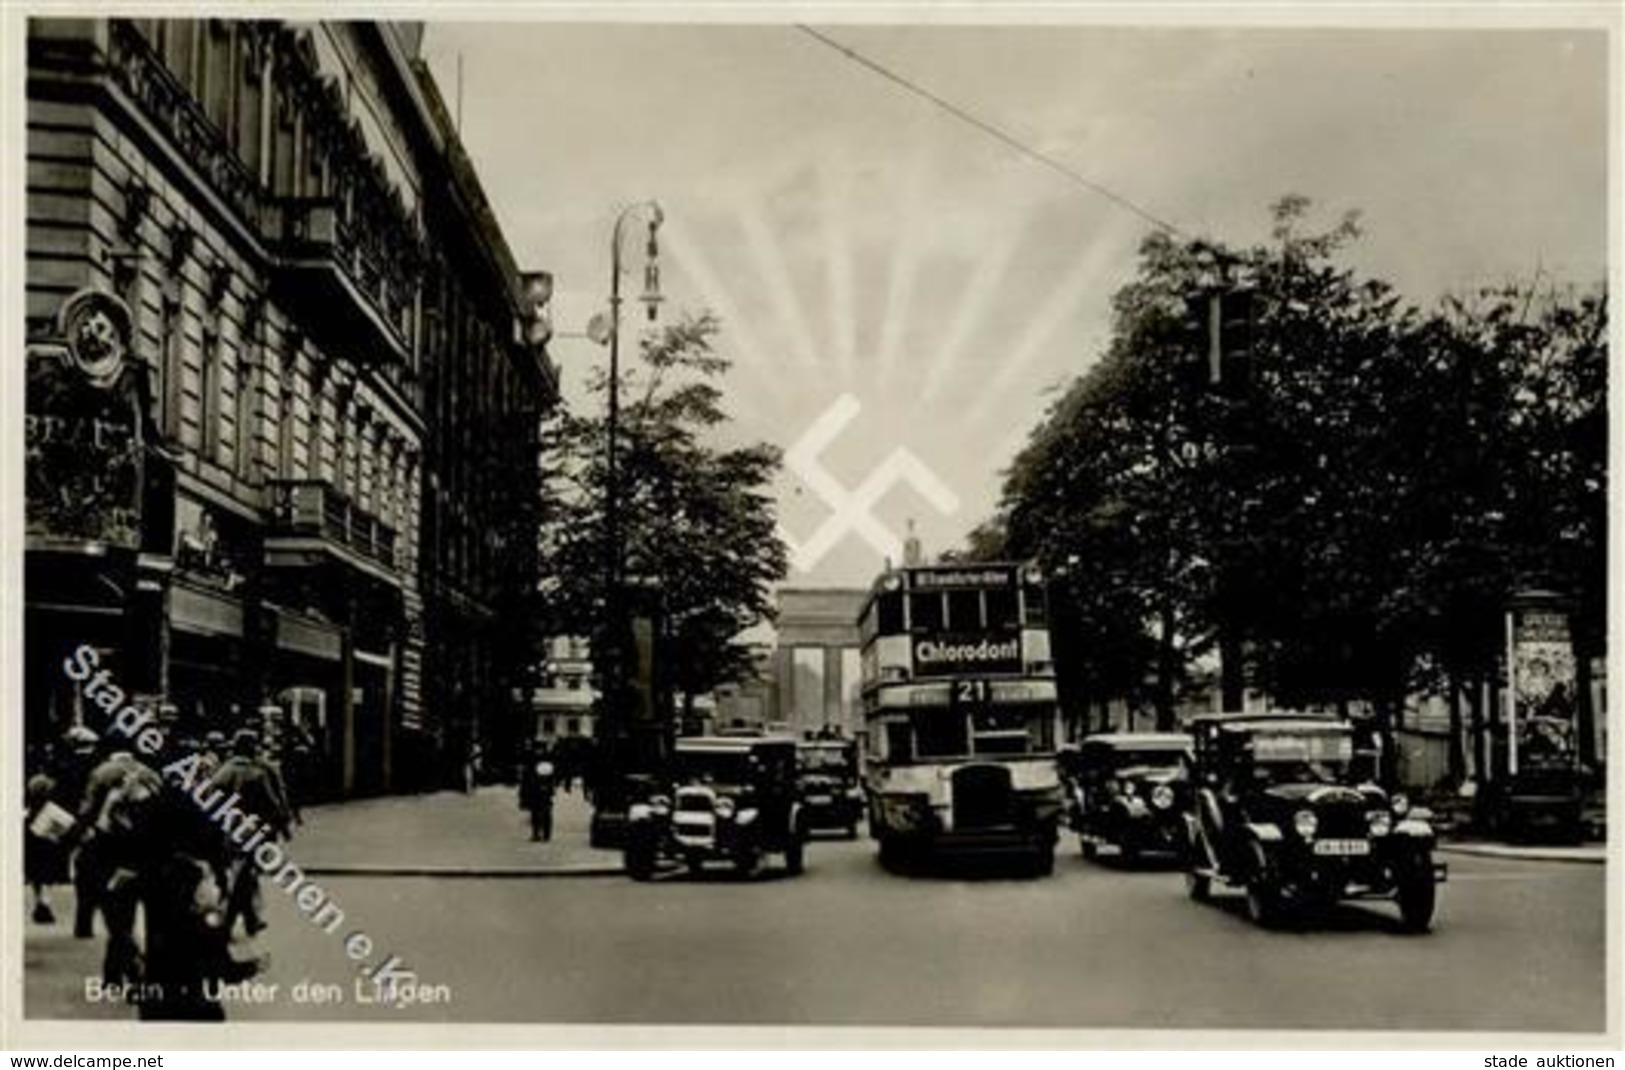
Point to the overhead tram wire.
(1009, 140)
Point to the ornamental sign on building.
(83, 429)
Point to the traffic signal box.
(1222, 323)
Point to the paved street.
(1519, 946)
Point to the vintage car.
(1544, 800)
(827, 776)
(1277, 812)
(1129, 791)
(730, 799)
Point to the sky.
(902, 294)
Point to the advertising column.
(1542, 676)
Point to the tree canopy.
(696, 519)
(1349, 505)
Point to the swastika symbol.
(850, 508)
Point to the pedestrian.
(536, 794)
(213, 753)
(296, 768)
(188, 952)
(47, 832)
(92, 862)
(262, 798)
(117, 796)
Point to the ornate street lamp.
(616, 631)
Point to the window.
(925, 612)
(210, 414)
(1002, 612)
(572, 726)
(1001, 731)
(940, 733)
(1036, 605)
(964, 611)
(550, 726)
(219, 87)
(889, 613)
(899, 743)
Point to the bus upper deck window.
(889, 608)
(1001, 608)
(965, 611)
(1037, 609)
(925, 611)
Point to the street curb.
(498, 872)
(1584, 856)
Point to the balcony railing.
(312, 507)
(138, 69)
(313, 232)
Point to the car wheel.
(1044, 859)
(746, 863)
(852, 830)
(893, 853)
(1263, 902)
(795, 855)
(1198, 886)
(1417, 895)
(1263, 891)
(1128, 853)
(696, 864)
(639, 858)
(1090, 850)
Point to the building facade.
(236, 344)
(565, 701)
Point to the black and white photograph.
(1087, 521)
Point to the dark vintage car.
(729, 799)
(827, 776)
(1277, 812)
(1544, 800)
(1129, 791)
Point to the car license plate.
(1342, 847)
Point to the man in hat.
(262, 796)
(117, 795)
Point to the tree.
(696, 519)
(1348, 506)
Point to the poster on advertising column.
(1543, 684)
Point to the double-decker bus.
(960, 712)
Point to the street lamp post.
(616, 626)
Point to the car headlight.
(1162, 796)
(1381, 822)
(1130, 788)
(1305, 822)
(725, 807)
(1400, 803)
(745, 817)
(855, 794)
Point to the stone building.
(253, 221)
(815, 660)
